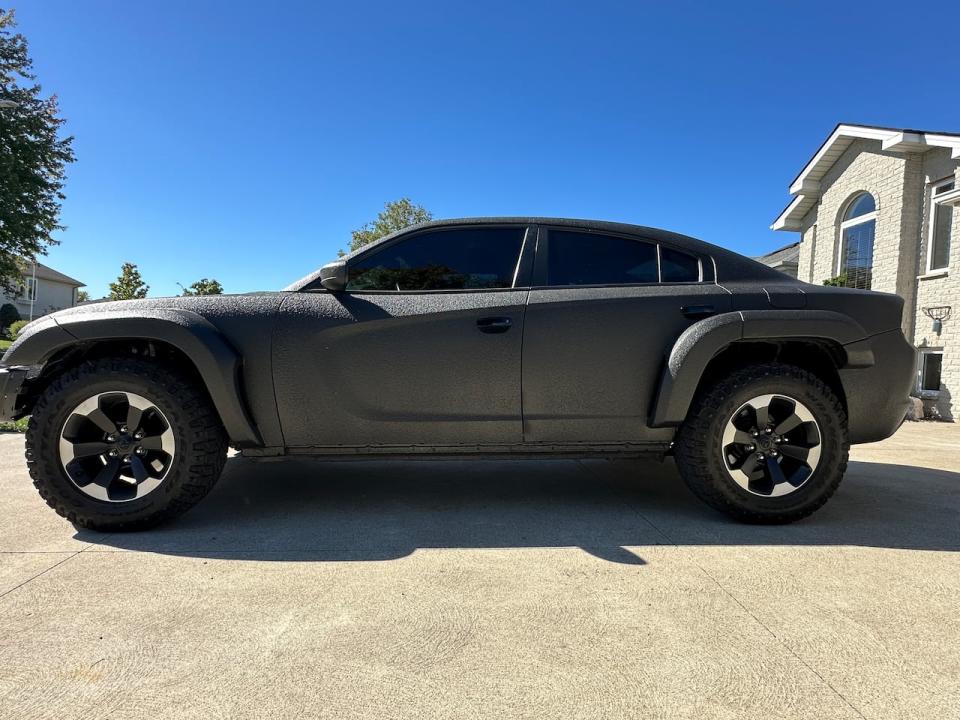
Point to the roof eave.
(806, 186)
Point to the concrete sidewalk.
(491, 589)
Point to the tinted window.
(677, 266)
(442, 260)
(578, 258)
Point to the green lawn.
(4, 344)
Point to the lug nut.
(141, 451)
(111, 438)
(768, 431)
(123, 429)
(138, 435)
(114, 453)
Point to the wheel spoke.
(100, 419)
(763, 416)
(789, 424)
(776, 472)
(138, 468)
(134, 415)
(154, 442)
(795, 451)
(750, 465)
(89, 449)
(108, 474)
(742, 437)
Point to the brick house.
(879, 208)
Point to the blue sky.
(243, 141)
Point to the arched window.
(855, 262)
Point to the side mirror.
(333, 276)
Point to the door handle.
(494, 324)
(697, 311)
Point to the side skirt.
(649, 451)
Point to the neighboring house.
(786, 259)
(44, 291)
(879, 208)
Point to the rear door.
(601, 318)
(422, 349)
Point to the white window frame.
(934, 204)
(30, 289)
(858, 220)
(924, 353)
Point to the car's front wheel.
(768, 444)
(123, 444)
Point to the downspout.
(33, 295)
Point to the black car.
(493, 336)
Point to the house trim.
(806, 186)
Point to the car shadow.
(308, 510)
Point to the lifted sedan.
(494, 336)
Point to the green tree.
(33, 159)
(395, 216)
(129, 286)
(203, 286)
(83, 296)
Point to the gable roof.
(787, 255)
(44, 272)
(806, 186)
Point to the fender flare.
(217, 362)
(702, 341)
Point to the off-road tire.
(699, 455)
(201, 443)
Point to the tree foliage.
(83, 296)
(204, 286)
(395, 216)
(129, 286)
(33, 159)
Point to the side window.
(579, 258)
(449, 259)
(676, 266)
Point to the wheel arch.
(181, 336)
(822, 342)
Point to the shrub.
(16, 327)
(8, 316)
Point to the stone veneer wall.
(940, 289)
(901, 187)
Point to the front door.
(422, 349)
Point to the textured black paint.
(580, 370)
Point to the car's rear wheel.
(123, 444)
(768, 444)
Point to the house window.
(30, 289)
(941, 218)
(855, 262)
(928, 373)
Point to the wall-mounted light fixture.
(939, 314)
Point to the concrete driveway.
(491, 589)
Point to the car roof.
(740, 264)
